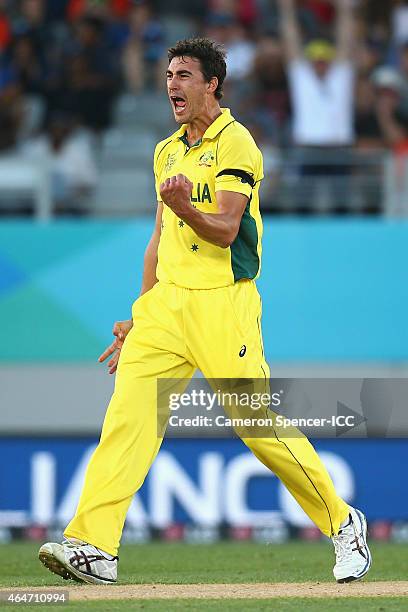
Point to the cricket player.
(199, 308)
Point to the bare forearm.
(392, 132)
(214, 228)
(150, 264)
(290, 28)
(345, 30)
(220, 228)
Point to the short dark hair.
(210, 55)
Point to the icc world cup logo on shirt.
(170, 161)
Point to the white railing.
(359, 183)
(396, 186)
(326, 181)
(22, 179)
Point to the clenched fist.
(176, 193)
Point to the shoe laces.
(342, 544)
(74, 543)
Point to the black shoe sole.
(349, 579)
(56, 567)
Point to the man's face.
(321, 68)
(187, 89)
(33, 10)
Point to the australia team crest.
(206, 159)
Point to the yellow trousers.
(176, 331)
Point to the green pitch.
(229, 562)
(180, 563)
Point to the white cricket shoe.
(353, 557)
(77, 560)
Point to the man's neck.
(197, 128)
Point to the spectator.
(11, 107)
(143, 56)
(31, 23)
(322, 10)
(86, 81)
(403, 72)
(369, 145)
(108, 10)
(369, 55)
(224, 28)
(195, 9)
(69, 155)
(317, 17)
(37, 48)
(271, 165)
(321, 88)
(227, 31)
(392, 119)
(28, 65)
(247, 12)
(367, 129)
(400, 23)
(377, 17)
(394, 125)
(265, 97)
(5, 27)
(74, 55)
(243, 11)
(56, 11)
(78, 9)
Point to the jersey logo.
(206, 159)
(170, 161)
(201, 193)
(242, 351)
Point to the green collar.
(212, 131)
(183, 139)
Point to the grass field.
(224, 563)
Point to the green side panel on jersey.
(244, 249)
(42, 330)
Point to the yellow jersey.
(226, 158)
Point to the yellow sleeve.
(156, 169)
(158, 161)
(239, 163)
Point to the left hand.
(120, 330)
(176, 193)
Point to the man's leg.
(128, 446)
(129, 441)
(298, 466)
(225, 321)
(154, 348)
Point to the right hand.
(120, 330)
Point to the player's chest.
(198, 164)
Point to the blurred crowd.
(303, 75)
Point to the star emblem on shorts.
(194, 248)
(181, 223)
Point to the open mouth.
(179, 104)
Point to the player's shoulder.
(162, 145)
(236, 139)
(236, 131)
